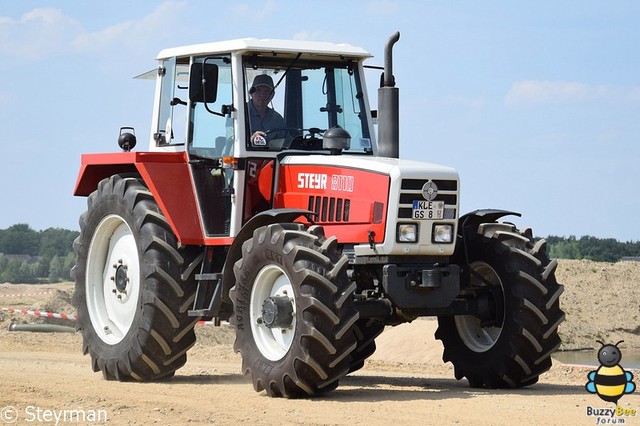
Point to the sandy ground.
(44, 376)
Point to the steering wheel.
(309, 141)
(294, 131)
(286, 134)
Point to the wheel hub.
(480, 332)
(273, 312)
(277, 312)
(121, 278)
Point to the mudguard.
(167, 176)
(479, 216)
(261, 219)
(467, 226)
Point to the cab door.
(210, 140)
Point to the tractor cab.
(208, 104)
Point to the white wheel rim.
(111, 303)
(473, 334)
(273, 343)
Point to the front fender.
(467, 228)
(235, 250)
(479, 216)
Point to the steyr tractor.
(298, 226)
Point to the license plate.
(428, 210)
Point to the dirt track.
(209, 389)
(404, 382)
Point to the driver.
(261, 117)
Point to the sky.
(535, 103)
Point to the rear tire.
(132, 302)
(515, 347)
(293, 311)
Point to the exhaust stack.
(388, 106)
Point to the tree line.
(29, 256)
(592, 248)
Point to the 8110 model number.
(425, 210)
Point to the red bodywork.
(330, 191)
(349, 203)
(167, 177)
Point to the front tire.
(293, 311)
(514, 347)
(366, 330)
(131, 300)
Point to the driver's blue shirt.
(272, 120)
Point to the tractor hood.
(362, 200)
(393, 167)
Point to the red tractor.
(298, 226)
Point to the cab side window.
(172, 119)
(211, 132)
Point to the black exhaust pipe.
(388, 106)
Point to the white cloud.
(162, 20)
(544, 92)
(39, 32)
(535, 92)
(44, 32)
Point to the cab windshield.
(292, 101)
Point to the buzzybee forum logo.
(610, 381)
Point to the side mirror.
(203, 82)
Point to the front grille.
(411, 189)
(417, 184)
(330, 209)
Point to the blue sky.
(536, 104)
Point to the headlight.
(407, 233)
(442, 233)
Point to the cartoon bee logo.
(610, 381)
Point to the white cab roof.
(266, 45)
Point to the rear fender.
(166, 175)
